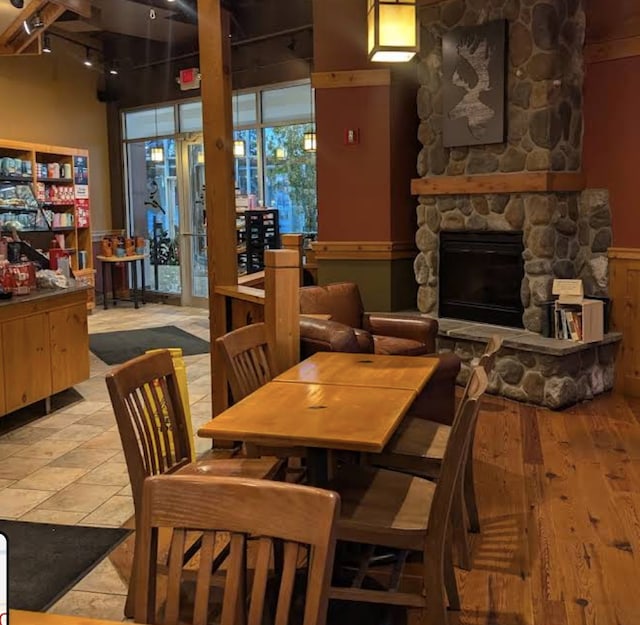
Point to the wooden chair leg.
(450, 582)
(459, 533)
(470, 493)
(130, 603)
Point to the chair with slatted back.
(412, 514)
(418, 447)
(300, 516)
(151, 422)
(249, 364)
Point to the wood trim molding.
(244, 293)
(542, 181)
(364, 250)
(612, 50)
(624, 253)
(354, 78)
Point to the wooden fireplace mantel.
(528, 182)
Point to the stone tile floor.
(68, 467)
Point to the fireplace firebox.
(481, 275)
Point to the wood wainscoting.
(624, 289)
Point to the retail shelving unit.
(60, 180)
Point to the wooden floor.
(559, 496)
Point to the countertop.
(40, 294)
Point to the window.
(155, 122)
(191, 117)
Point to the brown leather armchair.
(350, 329)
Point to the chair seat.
(382, 507)
(258, 468)
(420, 437)
(395, 346)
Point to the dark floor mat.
(46, 560)
(115, 348)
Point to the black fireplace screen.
(480, 277)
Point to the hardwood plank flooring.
(559, 499)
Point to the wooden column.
(215, 51)
(282, 308)
(295, 242)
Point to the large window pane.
(286, 105)
(154, 122)
(191, 117)
(246, 167)
(245, 111)
(154, 209)
(290, 178)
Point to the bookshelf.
(576, 318)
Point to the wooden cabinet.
(69, 337)
(27, 360)
(45, 347)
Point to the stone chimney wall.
(565, 234)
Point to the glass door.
(195, 279)
(155, 209)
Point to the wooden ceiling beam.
(81, 7)
(16, 26)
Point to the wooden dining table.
(23, 617)
(331, 401)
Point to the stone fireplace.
(480, 277)
(565, 230)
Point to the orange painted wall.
(612, 142)
(363, 190)
(354, 187)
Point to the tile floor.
(68, 467)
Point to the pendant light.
(309, 142)
(157, 152)
(392, 30)
(239, 147)
(281, 154)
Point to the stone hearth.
(531, 368)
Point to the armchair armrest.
(323, 335)
(419, 329)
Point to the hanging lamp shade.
(200, 157)
(392, 30)
(281, 154)
(309, 141)
(157, 155)
(239, 148)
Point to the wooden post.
(215, 52)
(295, 242)
(282, 307)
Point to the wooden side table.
(112, 260)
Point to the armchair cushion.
(394, 346)
(415, 329)
(341, 300)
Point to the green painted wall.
(385, 285)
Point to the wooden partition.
(624, 288)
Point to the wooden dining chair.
(418, 447)
(300, 516)
(249, 364)
(411, 514)
(151, 422)
(248, 359)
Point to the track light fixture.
(113, 69)
(87, 59)
(17, 4)
(46, 44)
(35, 23)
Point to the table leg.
(142, 275)
(104, 285)
(113, 283)
(134, 277)
(317, 466)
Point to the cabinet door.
(69, 346)
(27, 362)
